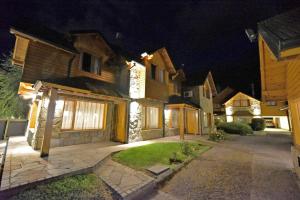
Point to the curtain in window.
(205, 119)
(89, 115)
(68, 115)
(152, 117)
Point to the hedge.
(235, 128)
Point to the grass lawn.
(87, 186)
(157, 153)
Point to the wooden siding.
(44, 62)
(154, 88)
(96, 46)
(273, 73)
(171, 87)
(293, 78)
(267, 110)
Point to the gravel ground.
(245, 167)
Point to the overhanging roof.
(281, 32)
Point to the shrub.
(217, 136)
(235, 128)
(258, 124)
(186, 148)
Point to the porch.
(24, 166)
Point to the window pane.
(152, 117)
(68, 115)
(153, 71)
(79, 116)
(161, 76)
(86, 62)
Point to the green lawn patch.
(158, 153)
(87, 186)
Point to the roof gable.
(166, 59)
(242, 94)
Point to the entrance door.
(121, 120)
(192, 121)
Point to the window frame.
(93, 60)
(153, 71)
(74, 114)
(145, 117)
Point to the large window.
(150, 117)
(83, 115)
(90, 63)
(241, 103)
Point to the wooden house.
(218, 102)
(242, 108)
(154, 78)
(202, 94)
(279, 51)
(78, 86)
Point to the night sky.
(199, 34)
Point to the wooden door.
(121, 120)
(192, 121)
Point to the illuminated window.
(244, 103)
(173, 121)
(237, 103)
(88, 115)
(271, 103)
(150, 117)
(68, 115)
(90, 63)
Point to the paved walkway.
(23, 165)
(122, 179)
(245, 167)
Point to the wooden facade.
(242, 108)
(280, 69)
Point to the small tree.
(11, 104)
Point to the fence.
(13, 127)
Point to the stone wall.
(171, 131)
(135, 122)
(64, 138)
(151, 134)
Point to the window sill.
(82, 130)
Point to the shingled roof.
(281, 32)
(89, 84)
(43, 33)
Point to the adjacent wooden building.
(279, 49)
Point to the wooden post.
(49, 123)
(181, 123)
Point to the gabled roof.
(37, 31)
(224, 95)
(169, 64)
(281, 32)
(237, 93)
(201, 78)
(88, 84)
(175, 99)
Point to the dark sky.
(199, 34)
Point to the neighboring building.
(202, 94)
(242, 108)
(219, 100)
(279, 49)
(78, 87)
